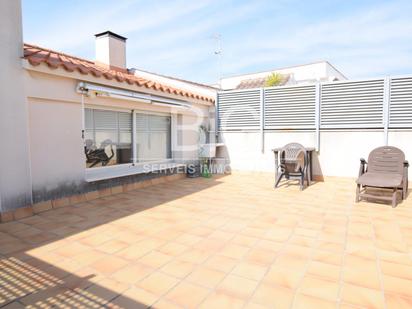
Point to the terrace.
(226, 242)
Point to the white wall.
(56, 145)
(339, 153)
(57, 155)
(15, 186)
(314, 71)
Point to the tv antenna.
(218, 52)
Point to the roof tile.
(36, 55)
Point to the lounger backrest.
(386, 159)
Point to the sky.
(361, 38)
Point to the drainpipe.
(262, 120)
(134, 146)
(83, 121)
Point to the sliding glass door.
(153, 137)
(109, 138)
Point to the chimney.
(111, 50)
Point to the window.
(108, 137)
(153, 140)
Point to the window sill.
(124, 170)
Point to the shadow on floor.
(28, 281)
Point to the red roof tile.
(36, 55)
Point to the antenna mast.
(218, 52)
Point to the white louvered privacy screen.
(362, 104)
(352, 104)
(400, 111)
(291, 107)
(239, 110)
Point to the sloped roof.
(36, 55)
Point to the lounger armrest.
(406, 163)
(362, 166)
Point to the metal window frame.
(133, 113)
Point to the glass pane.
(108, 138)
(142, 146)
(105, 120)
(152, 137)
(125, 137)
(158, 145)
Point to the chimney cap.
(109, 33)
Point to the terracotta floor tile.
(187, 295)
(206, 277)
(173, 248)
(245, 240)
(368, 278)
(105, 291)
(134, 297)
(71, 250)
(328, 257)
(324, 270)
(234, 251)
(272, 296)
(132, 274)
(261, 256)
(308, 302)
(178, 268)
(188, 239)
(362, 297)
(109, 265)
(396, 270)
(396, 301)
(196, 256)
(237, 286)
(165, 304)
(291, 262)
(112, 246)
(222, 300)
(222, 263)
(96, 239)
(320, 288)
(252, 305)
(397, 285)
(235, 237)
(88, 257)
(250, 271)
(395, 257)
(158, 283)
(155, 259)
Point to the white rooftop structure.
(299, 74)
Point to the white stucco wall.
(15, 186)
(55, 129)
(338, 155)
(56, 145)
(302, 73)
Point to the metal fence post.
(386, 110)
(262, 120)
(134, 138)
(317, 114)
(217, 117)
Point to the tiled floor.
(225, 242)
